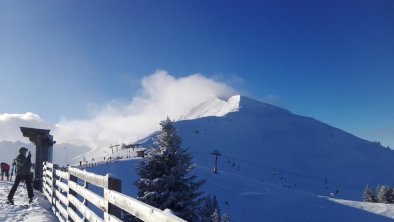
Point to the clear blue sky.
(332, 60)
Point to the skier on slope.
(23, 165)
(5, 169)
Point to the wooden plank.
(61, 209)
(58, 215)
(47, 173)
(60, 218)
(49, 197)
(44, 180)
(111, 218)
(61, 197)
(47, 188)
(61, 185)
(44, 175)
(62, 174)
(139, 209)
(48, 164)
(74, 216)
(46, 192)
(93, 198)
(71, 192)
(86, 212)
(92, 178)
(47, 185)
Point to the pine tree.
(215, 217)
(215, 204)
(385, 194)
(208, 208)
(225, 218)
(369, 195)
(165, 180)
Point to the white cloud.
(10, 125)
(161, 95)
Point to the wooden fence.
(70, 198)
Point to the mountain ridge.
(236, 103)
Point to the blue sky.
(332, 60)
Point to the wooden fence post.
(54, 167)
(73, 193)
(85, 202)
(113, 184)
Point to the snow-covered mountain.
(275, 165)
(260, 140)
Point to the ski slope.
(38, 211)
(278, 166)
(261, 140)
(246, 198)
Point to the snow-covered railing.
(70, 198)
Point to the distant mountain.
(63, 153)
(9, 150)
(260, 140)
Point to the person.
(22, 165)
(13, 169)
(5, 169)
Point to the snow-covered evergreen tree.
(208, 207)
(385, 194)
(215, 204)
(369, 195)
(215, 217)
(165, 180)
(225, 218)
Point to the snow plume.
(161, 95)
(10, 125)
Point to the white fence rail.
(70, 198)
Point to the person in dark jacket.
(22, 165)
(5, 169)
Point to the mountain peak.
(254, 107)
(236, 103)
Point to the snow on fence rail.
(69, 196)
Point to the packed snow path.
(39, 210)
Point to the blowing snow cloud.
(161, 95)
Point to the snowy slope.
(275, 165)
(261, 140)
(213, 107)
(247, 199)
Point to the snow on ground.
(38, 211)
(377, 208)
(246, 198)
